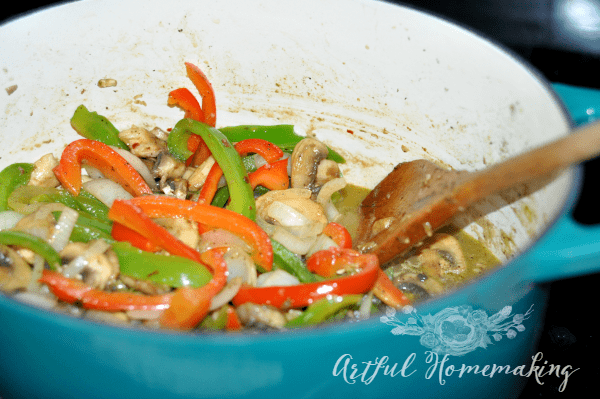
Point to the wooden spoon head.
(405, 208)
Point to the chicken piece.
(142, 143)
(197, 179)
(167, 167)
(184, 230)
(42, 174)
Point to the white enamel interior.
(392, 76)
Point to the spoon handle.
(582, 144)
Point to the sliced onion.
(365, 306)
(36, 299)
(263, 224)
(295, 244)
(286, 215)
(332, 213)
(138, 165)
(8, 219)
(259, 161)
(289, 164)
(20, 199)
(329, 188)
(144, 314)
(63, 228)
(36, 274)
(277, 278)
(222, 238)
(93, 172)
(308, 230)
(321, 243)
(106, 191)
(226, 294)
(240, 264)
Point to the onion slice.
(286, 215)
(138, 165)
(295, 244)
(106, 190)
(8, 219)
(226, 294)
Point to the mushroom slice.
(15, 273)
(326, 171)
(95, 263)
(427, 284)
(306, 157)
(254, 315)
(443, 256)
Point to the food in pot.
(244, 227)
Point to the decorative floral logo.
(458, 330)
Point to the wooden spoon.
(418, 197)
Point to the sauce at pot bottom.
(444, 262)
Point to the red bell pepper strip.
(182, 309)
(126, 212)
(132, 216)
(301, 295)
(123, 233)
(272, 176)
(190, 305)
(70, 290)
(201, 152)
(102, 157)
(185, 99)
(209, 106)
(211, 184)
(269, 151)
(193, 142)
(338, 234)
(233, 321)
(389, 294)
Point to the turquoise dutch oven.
(366, 77)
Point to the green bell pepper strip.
(96, 127)
(215, 321)
(87, 229)
(93, 206)
(34, 243)
(323, 309)
(285, 259)
(11, 177)
(249, 163)
(174, 271)
(23, 197)
(221, 197)
(282, 136)
(242, 198)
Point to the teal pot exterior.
(45, 355)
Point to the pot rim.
(221, 338)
